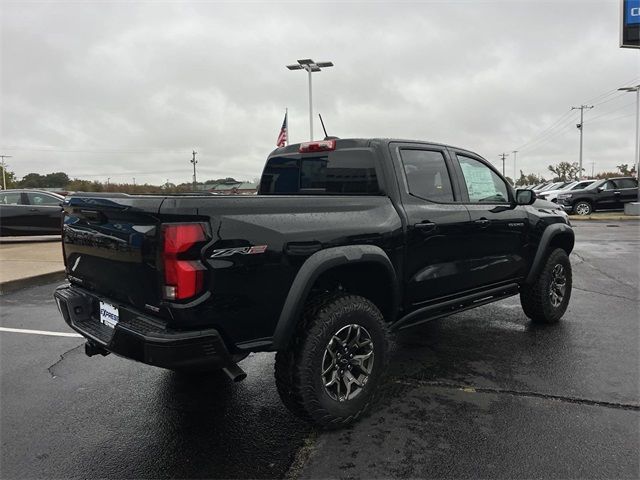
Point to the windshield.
(596, 184)
(569, 186)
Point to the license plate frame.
(109, 314)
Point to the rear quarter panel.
(249, 290)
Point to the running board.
(442, 309)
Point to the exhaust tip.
(235, 373)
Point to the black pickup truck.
(346, 241)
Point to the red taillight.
(320, 146)
(183, 278)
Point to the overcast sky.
(129, 89)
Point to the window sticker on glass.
(479, 181)
(483, 185)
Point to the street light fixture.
(310, 66)
(637, 152)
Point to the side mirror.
(600, 189)
(525, 197)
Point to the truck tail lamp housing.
(319, 146)
(183, 271)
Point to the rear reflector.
(183, 278)
(320, 146)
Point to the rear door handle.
(482, 223)
(425, 226)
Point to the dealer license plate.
(109, 315)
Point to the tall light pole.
(636, 159)
(4, 178)
(310, 66)
(515, 171)
(581, 128)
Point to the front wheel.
(547, 298)
(334, 362)
(583, 208)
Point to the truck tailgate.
(111, 247)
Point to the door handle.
(33, 209)
(425, 226)
(482, 223)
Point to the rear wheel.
(583, 208)
(546, 300)
(335, 361)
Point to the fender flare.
(549, 234)
(312, 268)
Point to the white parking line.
(40, 332)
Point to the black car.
(606, 194)
(346, 241)
(30, 212)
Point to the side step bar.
(442, 309)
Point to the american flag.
(283, 137)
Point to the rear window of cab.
(341, 172)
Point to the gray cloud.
(120, 90)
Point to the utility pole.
(503, 156)
(593, 166)
(515, 171)
(194, 161)
(581, 128)
(134, 181)
(4, 177)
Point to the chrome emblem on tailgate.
(227, 252)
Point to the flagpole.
(286, 115)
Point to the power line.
(611, 111)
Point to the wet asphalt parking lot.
(479, 394)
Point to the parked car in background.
(552, 195)
(540, 186)
(607, 194)
(551, 186)
(30, 212)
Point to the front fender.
(551, 232)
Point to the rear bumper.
(139, 336)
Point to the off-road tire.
(536, 299)
(298, 368)
(583, 206)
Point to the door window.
(42, 199)
(627, 183)
(609, 186)
(483, 184)
(10, 198)
(427, 175)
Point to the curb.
(619, 218)
(14, 285)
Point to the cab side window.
(42, 199)
(427, 175)
(10, 198)
(483, 184)
(627, 183)
(609, 186)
